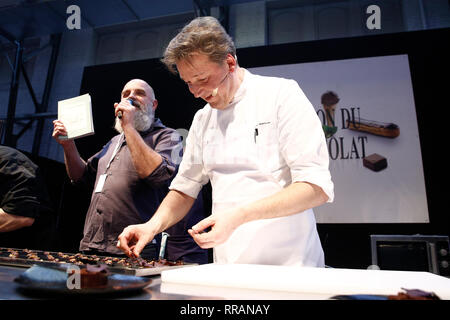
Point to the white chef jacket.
(267, 138)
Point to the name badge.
(100, 183)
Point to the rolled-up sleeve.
(168, 145)
(191, 176)
(302, 141)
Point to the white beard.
(142, 121)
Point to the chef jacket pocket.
(237, 149)
(266, 133)
(266, 139)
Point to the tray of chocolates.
(123, 265)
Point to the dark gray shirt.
(125, 198)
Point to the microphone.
(216, 90)
(119, 114)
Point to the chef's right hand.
(134, 238)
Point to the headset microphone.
(216, 90)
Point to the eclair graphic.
(384, 129)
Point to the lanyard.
(118, 145)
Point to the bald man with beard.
(130, 175)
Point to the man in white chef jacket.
(260, 143)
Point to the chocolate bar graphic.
(375, 162)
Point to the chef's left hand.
(221, 227)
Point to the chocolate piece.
(375, 162)
(93, 279)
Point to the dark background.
(345, 245)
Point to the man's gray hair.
(202, 35)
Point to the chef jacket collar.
(240, 92)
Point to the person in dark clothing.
(26, 215)
(180, 245)
(130, 174)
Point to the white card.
(100, 183)
(76, 114)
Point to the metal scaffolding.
(203, 8)
(7, 135)
(13, 126)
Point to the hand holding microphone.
(119, 114)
